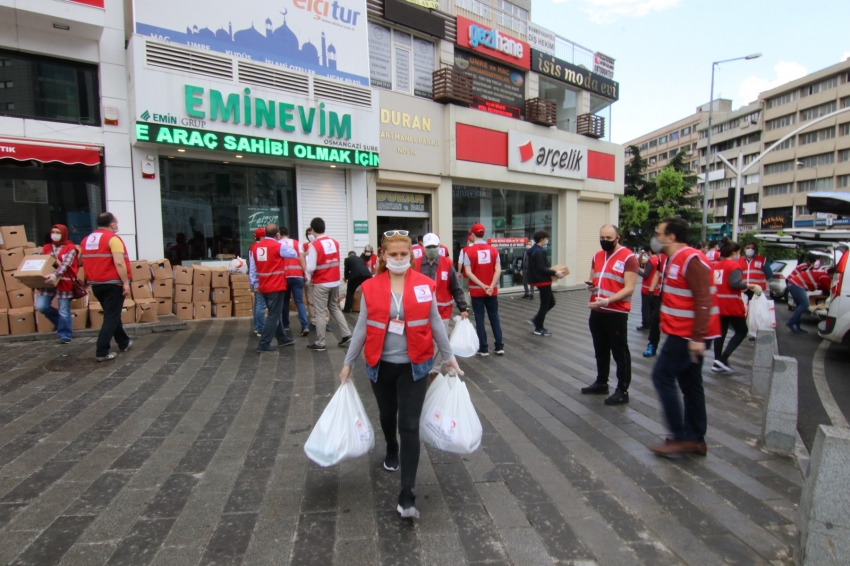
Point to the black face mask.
(608, 245)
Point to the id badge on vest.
(93, 241)
(423, 293)
(396, 327)
(262, 253)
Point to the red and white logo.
(526, 152)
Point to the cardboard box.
(22, 298)
(4, 301)
(11, 259)
(32, 245)
(79, 318)
(163, 306)
(34, 269)
(183, 275)
(240, 284)
(12, 237)
(3, 285)
(33, 251)
(146, 310)
(183, 294)
(219, 278)
(21, 321)
(241, 293)
(161, 269)
(10, 283)
(81, 303)
(239, 278)
(183, 311)
(140, 271)
(243, 302)
(222, 310)
(200, 294)
(202, 310)
(4, 322)
(163, 288)
(559, 267)
(221, 295)
(95, 315)
(42, 325)
(128, 312)
(242, 313)
(141, 290)
(201, 275)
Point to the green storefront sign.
(252, 145)
(361, 226)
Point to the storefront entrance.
(399, 210)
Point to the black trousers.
(111, 299)
(274, 326)
(351, 287)
(655, 321)
(646, 310)
(739, 325)
(400, 400)
(611, 337)
(547, 303)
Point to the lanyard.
(397, 303)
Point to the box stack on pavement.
(201, 286)
(163, 286)
(222, 307)
(17, 304)
(241, 295)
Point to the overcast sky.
(664, 49)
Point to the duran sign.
(491, 42)
(574, 75)
(322, 37)
(529, 153)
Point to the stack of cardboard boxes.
(241, 295)
(17, 304)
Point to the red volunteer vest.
(327, 260)
(97, 258)
(644, 287)
(66, 282)
(417, 251)
(713, 256)
(677, 301)
(444, 251)
(609, 278)
(270, 266)
(444, 281)
(482, 263)
(754, 270)
(729, 300)
(372, 263)
(419, 292)
(292, 266)
(809, 279)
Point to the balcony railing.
(590, 125)
(451, 86)
(541, 111)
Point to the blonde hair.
(382, 264)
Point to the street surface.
(189, 450)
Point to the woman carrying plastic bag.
(760, 314)
(343, 432)
(449, 421)
(398, 325)
(464, 341)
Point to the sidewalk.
(188, 450)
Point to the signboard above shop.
(546, 156)
(777, 218)
(603, 65)
(412, 135)
(541, 38)
(574, 75)
(496, 88)
(491, 42)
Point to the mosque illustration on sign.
(281, 41)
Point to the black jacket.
(538, 266)
(354, 266)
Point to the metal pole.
(707, 160)
(738, 196)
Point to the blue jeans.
(259, 312)
(802, 301)
(491, 305)
(674, 366)
(274, 301)
(295, 289)
(61, 318)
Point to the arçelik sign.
(546, 156)
(489, 41)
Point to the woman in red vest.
(399, 323)
(63, 250)
(729, 282)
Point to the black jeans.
(490, 305)
(739, 325)
(646, 310)
(547, 303)
(111, 299)
(674, 366)
(352, 286)
(274, 325)
(611, 337)
(400, 400)
(655, 321)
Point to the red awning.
(47, 152)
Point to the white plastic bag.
(760, 314)
(343, 432)
(449, 421)
(464, 340)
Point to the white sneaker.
(723, 367)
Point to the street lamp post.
(708, 143)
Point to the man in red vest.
(294, 268)
(417, 249)
(106, 264)
(689, 317)
(756, 268)
(270, 256)
(613, 277)
(440, 268)
(323, 263)
(483, 268)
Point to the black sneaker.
(345, 340)
(542, 332)
(483, 353)
(500, 351)
(305, 332)
(391, 461)
(268, 348)
(595, 389)
(407, 504)
(619, 397)
(287, 342)
(64, 341)
(316, 348)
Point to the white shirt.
(311, 265)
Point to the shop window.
(39, 195)
(511, 216)
(400, 61)
(48, 89)
(213, 208)
(566, 101)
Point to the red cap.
(477, 229)
(259, 233)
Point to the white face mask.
(749, 252)
(398, 266)
(55, 237)
(311, 237)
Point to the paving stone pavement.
(189, 450)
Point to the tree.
(635, 179)
(633, 214)
(669, 185)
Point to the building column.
(568, 235)
(441, 212)
(148, 205)
(358, 203)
